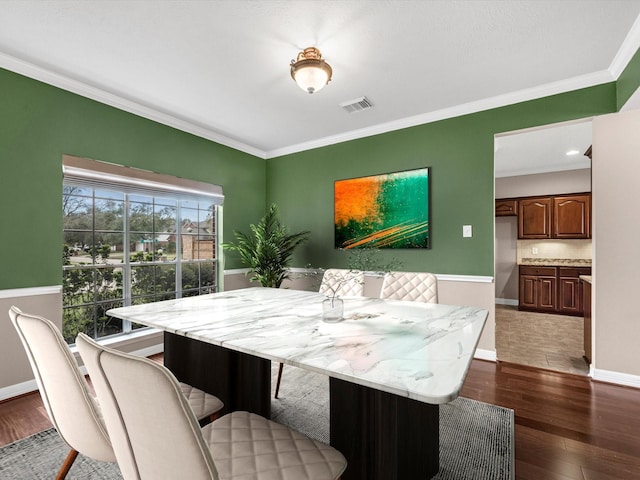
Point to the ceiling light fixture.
(573, 152)
(310, 71)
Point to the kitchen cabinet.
(534, 217)
(506, 207)
(552, 289)
(538, 289)
(570, 290)
(572, 216)
(558, 216)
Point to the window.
(129, 241)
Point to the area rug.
(476, 439)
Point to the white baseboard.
(507, 301)
(616, 377)
(147, 352)
(18, 389)
(489, 355)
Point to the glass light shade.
(310, 71)
(311, 79)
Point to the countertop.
(556, 262)
(586, 278)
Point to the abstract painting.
(383, 211)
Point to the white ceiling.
(540, 150)
(220, 69)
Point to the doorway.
(545, 161)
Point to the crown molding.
(628, 49)
(575, 83)
(83, 89)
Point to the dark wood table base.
(383, 436)
(241, 381)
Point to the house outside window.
(125, 245)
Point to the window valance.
(84, 172)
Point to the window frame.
(90, 176)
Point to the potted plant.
(267, 249)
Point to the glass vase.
(332, 309)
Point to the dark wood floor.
(566, 426)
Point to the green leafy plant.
(268, 249)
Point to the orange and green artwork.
(383, 211)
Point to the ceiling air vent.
(357, 105)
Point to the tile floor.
(542, 340)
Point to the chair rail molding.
(30, 291)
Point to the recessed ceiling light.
(573, 152)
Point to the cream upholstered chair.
(339, 283)
(155, 435)
(66, 396)
(342, 283)
(414, 286)
(71, 406)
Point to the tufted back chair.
(65, 393)
(156, 435)
(342, 283)
(413, 286)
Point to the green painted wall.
(629, 80)
(460, 152)
(39, 123)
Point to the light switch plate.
(467, 231)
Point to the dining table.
(390, 364)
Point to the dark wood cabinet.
(538, 289)
(534, 217)
(572, 216)
(552, 289)
(559, 216)
(570, 296)
(570, 299)
(506, 207)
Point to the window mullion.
(93, 261)
(178, 229)
(126, 263)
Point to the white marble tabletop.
(416, 350)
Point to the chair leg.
(210, 419)
(66, 466)
(280, 367)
